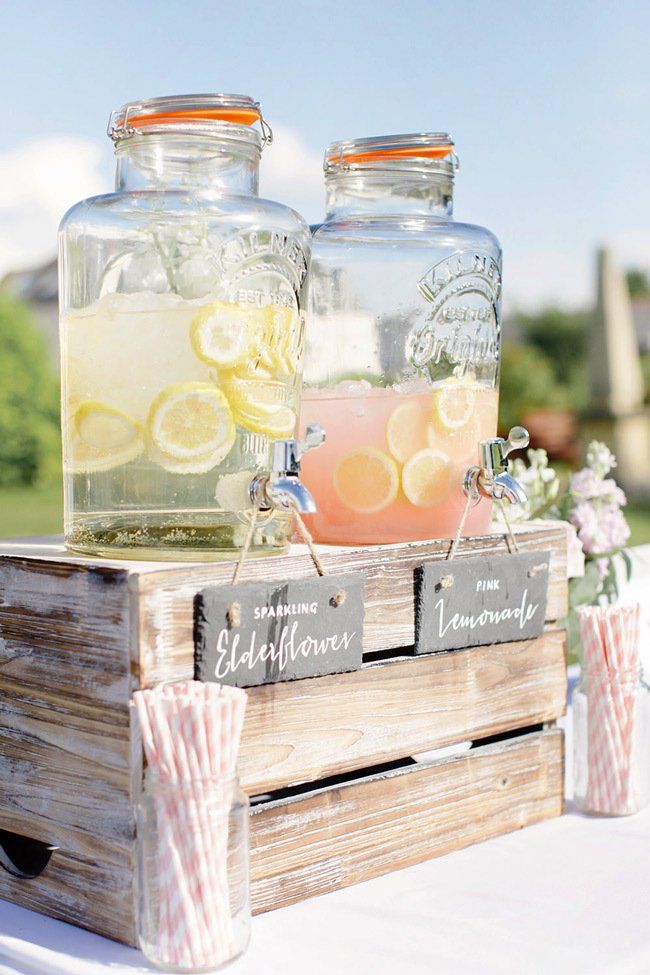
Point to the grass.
(38, 511)
(638, 517)
(31, 511)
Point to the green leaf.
(584, 590)
(627, 562)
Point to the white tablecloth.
(566, 897)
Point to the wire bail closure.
(118, 128)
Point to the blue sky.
(548, 104)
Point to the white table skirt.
(566, 897)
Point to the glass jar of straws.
(192, 822)
(611, 716)
(193, 883)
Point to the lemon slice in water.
(224, 334)
(426, 478)
(453, 404)
(192, 423)
(366, 480)
(102, 438)
(407, 430)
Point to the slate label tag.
(264, 632)
(471, 602)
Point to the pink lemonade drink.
(392, 466)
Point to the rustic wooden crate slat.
(85, 890)
(313, 844)
(66, 627)
(300, 731)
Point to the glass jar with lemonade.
(181, 336)
(403, 334)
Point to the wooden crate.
(337, 796)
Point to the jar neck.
(177, 162)
(389, 192)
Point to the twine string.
(246, 546)
(234, 612)
(508, 534)
(459, 531)
(512, 541)
(302, 530)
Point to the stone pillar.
(616, 413)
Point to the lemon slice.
(192, 422)
(282, 340)
(407, 430)
(223, 334)
(255, 397)
(453, 404)
(81, 458)
(197, 465)
(366, 480)
(260, 406)
(101, 438)
(104, 427)
(278, 426)
(426, 478)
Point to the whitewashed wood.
(86, 891)
(66, 627)
(68, 762)
(305, 730)
(345, 834)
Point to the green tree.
(562, 337)
(527, 382)
(638, 283)
(29, 402)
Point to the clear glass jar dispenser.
(181, 336)
(403, 339)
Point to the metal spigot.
(491, 478)
(282, 488)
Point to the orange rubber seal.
(410, 152)
(241, 116)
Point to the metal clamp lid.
(194, 110)
(428, 149)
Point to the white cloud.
(631, 247)
(38, 182)
(537, 279)
(567, 278)
(292, 173)
(41, 179)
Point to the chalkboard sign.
(264, 632)
(470, 602)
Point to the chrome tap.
(491, 478)
(282, 488)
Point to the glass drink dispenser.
(402, 356)
(181, 334)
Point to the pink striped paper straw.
(190, 734)
(610, 636)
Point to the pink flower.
(585, 484)
(601, 526)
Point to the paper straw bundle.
(191, 733)
(610, 639)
